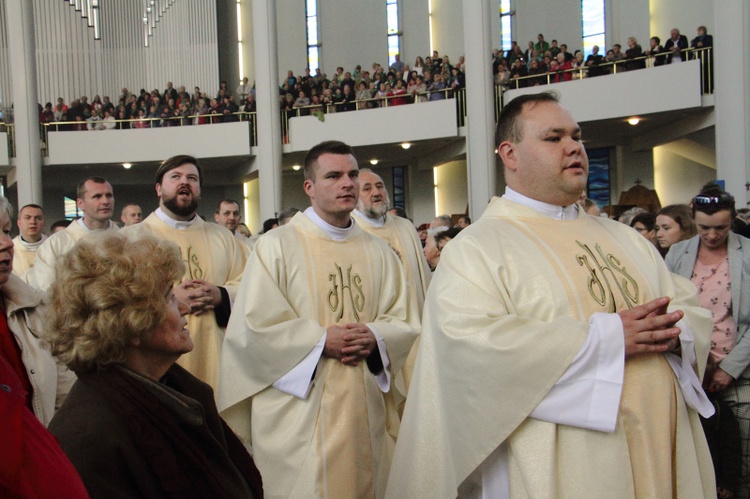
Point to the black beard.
(181, 210)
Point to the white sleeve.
(587, 395)
(298, 380)
(682, 366)
(383, 378)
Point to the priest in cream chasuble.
(401, 235)
(504, 319)
(559, 357)
(213, 258)
(318, 427)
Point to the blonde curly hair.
(108, 290)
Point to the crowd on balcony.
(171, 107)
(429, 78)
(546, 62)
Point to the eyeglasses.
(708, 200)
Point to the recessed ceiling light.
(405, 145)
(634, 121)
(373, 162)
(296, 168)
(127, 166)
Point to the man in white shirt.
(559, 357)
(30, 238)
(243, 90)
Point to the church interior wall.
(416, 28)
(291, 38)
(560, 20)
(251, 210)
(353, 34)
(685, 15)
(248, 44)
(452, 186)
(292, 192)
(625, 19)
(447, 28)
(228, 50)
(631, 167)
(421, 195)
(676, 178)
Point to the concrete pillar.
(267, 104)
(480, 115)
(732, 95)
(22, 52)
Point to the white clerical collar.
(335, 233)
(176, 224)
(80, 222)
(377, 222)
(569, 212)
(29, 245)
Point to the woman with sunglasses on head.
(717, 261)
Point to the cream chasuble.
(400, 234)
(338, 441)
(506, 314)
(210, 252)
(41, 275)
(24, 254)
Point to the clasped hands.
(649, 328)
(201, 295)
(349, 343)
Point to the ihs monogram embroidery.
(341, 290)
(193, 264)
(606, 272)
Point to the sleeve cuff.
(298, 381)
(383, 378)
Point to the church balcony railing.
(704, 55)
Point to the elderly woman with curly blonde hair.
(135, 424)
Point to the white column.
(480, 117)
(22, 51)
(267, 104)
(732, 95)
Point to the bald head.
(373, 196)
(131, 214)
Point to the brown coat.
(130, 437)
